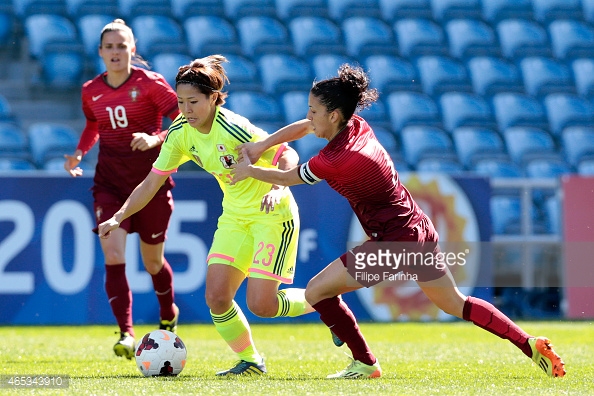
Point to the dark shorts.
(150, 223)
(422, 238)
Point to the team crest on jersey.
(196, 157)
(221, 148)
(227, 160)
(134, 94)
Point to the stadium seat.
(312, 35)
(289, 9)
(168, 63)
(368, 36)
(571, 39)
(586, 167)
(50, 32)
(183, 9)
(578, 144)
(13, 141)
(49, 140)
(506, 214)
(242, 73)
(79, 8)
(588, 7)
(393, 10)
(209, 34)
(133, 8)
(376, 115)
(9, 164)
(282, 73)
(7, 28)
(544, 168)
(418, 36)
(519, 38)
(565, 110)
(544, 75)
(326, 65)
(583, 74)
(157, 33)
(474, 143)
(497, 10)
(25, 8)
(553, 215)
(388, 140)
(412, 108)
(441, 74)
(444, 10)
(515, 109)
(255, 106)
(309, 146)
(470, 37)
(89, 27)
(524, 143)
(546, 11)
(419, 142)
(295, 105)
(490, 75)
(236, 9)
(389, 73)
(497, 167)
(62, 70)
(262, 34)
(342, 9)
(464, 109)
(6, 113)
(439, 165)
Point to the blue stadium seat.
(342, 9)
(586, 167)
(418, 36)
(295, 105)
(309, 146)
(79, 8)
(281, 73)
(553, 215)
(464, 109)
(217, 35)
(168, 63)
(565, 110)
(157, 33)
(497, 10)
(440, 165)
(236, 9)
(578, 144)
(367, 36)
(519, 38)
(288, 9)
(419, 142)
(571, 39)
(7, 28)
(547, 168)
(389, 73)
(9, 164)
(376, 115)
(255, 106)
(89, 27)
(441, 74)
(506, 214)
(471, 37)
(497, 167)
(134, 8)
(491, 75)
(262, 34)
(588, 6)
(524, 143)
(62, 70)
(583, 74)
(312, 35)
(444, 10)
(242, 73)
(546, 11)
(474, 143)
(49, 140)
(326, 65)
(393, 10)
(50, 32)
(13, 141)
(515, 109)
(6, 113)
(412, 108)
(25, 8)
(544, 75)
(183, 9)
(387, 139)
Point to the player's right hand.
(70, 165)
(107, 227)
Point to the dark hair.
(349, 92)
(118, 25)
(205, 74)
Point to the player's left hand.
(142, 141)
(240, 170)
(272, 198)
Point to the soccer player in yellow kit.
(257, 233)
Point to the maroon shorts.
(421, 238)
(150, 223)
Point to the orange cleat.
(546, 358)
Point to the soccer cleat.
(545, 357)
(170, 325)
(337, 341)
(357, 369)
(124, 346)
(244, 368)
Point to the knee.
(263, 307)
(217, 302)
(114, 256)
(153, 266)
(312, 293)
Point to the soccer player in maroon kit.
(124, 109)
(356, 165)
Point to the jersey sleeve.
(90, 134)
(170, 156)
(316, 170)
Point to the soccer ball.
(160, 353)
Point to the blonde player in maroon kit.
(356, 165)
(124, 109)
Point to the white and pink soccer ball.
(160, 353)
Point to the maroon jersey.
(113, 115)
(356, 165)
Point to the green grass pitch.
(417, 359)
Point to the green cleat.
(244, 368)
(546, 358)
(358, 369)
(124, 346)
(170, 325)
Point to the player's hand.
(142, 141)
(70, 165)
(253, 150)
(240, 170)
(107, 227)
(272, 198)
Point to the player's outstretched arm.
(141, 196)
(244, 169)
